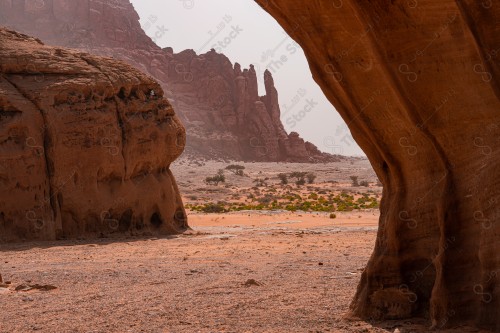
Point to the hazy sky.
(246, 34)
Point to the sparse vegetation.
(213, 208)
(260, 182)
(311, 177)
(218, 178)
(236, 169)
(299, 176)
(300, 190)
(291, 201)
(283, 177)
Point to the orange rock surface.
(418, 84)
(85, 146)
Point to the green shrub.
(213, 208)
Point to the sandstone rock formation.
(85, 146)
(418, 84)
(217, 102)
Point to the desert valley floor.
(239, 271)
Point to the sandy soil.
(250, 271)
(190, 175)
(233, 273)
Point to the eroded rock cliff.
(418, 84)
(217, 101)
(85, 146)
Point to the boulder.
(85, 146)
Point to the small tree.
(218, 178)
(364, 183)
(299, 176)
(354, 180)
(284, 178)
(236, 169)
(310, 177)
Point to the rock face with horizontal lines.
(218, 102)
(418, 83)
(85, 146)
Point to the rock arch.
(417, 82)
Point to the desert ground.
(259, 185)
(254, 270)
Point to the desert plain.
(254, 270)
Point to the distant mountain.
(218, 102)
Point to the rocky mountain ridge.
(218, 102)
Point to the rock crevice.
(44, 149)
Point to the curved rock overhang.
(417, 82)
